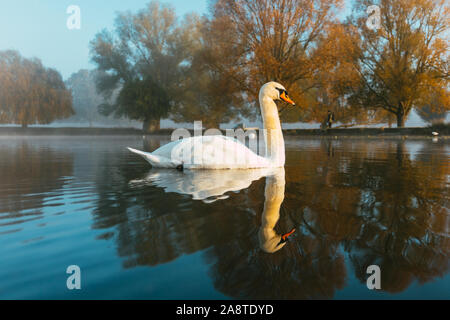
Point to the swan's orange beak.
(285, 236)
(284, 97)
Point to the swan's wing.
(212, 152)
(205, 152)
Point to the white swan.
(221, 152)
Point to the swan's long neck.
(273, 136)
(274, 196)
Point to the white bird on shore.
(434, 133)
(221, 152)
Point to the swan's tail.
(155, 160)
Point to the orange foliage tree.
(250, 42)
(404, 63)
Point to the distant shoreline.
(344, 132)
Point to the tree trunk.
(151, 125)
(400, 119)
(211, 124)
(400, 153)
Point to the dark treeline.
(367, 68)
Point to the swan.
(221, 152)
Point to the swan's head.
(270, 241)
(275, 91)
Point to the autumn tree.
(337, 76)
(150, 46)
(403, 62)
(255, 41)
(206, 94)
(31, 93)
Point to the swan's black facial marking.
(284, 95)
(281, 91)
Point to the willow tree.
(402, 61)
(31, 93)
(150, 46)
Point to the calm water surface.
(140, 233)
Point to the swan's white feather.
(205, 152)
(156, 160)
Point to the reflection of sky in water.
(413, 148)
(69, 201)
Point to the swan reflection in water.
(213, 185)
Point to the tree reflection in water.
(371, 201)
(28, 176)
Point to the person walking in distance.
(330, 119)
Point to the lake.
(141, 233)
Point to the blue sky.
(37, 28)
